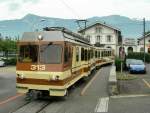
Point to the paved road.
(94, 97)
(75, 103)
(86, 103)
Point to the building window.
(109, 37)
(98, 38)
(88, 37)
(98, 30)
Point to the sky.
(78, 9)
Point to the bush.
(125, 77)
(118, 64)
(140, 56)
(11, 61)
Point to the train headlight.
(55, 77)
(40, 37)
(21, 76)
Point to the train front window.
(28, 53)
(51, 54)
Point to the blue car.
(137, 66)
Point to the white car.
(2, 63)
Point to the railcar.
(52, 60)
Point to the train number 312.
(37, 67)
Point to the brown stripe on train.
(52, 82)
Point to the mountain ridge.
(130, 28)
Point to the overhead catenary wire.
(78, 18)
(70, 9)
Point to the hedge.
(140, 56)
(11, 61)
(118, 64)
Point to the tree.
(8, 45)
(148, 32)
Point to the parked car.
(137, 66)
(128, 62)
(2, 63)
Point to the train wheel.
(33, 95)
(27, 98)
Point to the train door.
(76, 59)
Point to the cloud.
(14, 6)
(32, 1)
(12, 9)
(24, 1)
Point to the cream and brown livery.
(54, 59)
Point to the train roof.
(53, 34)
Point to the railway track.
(35, 106)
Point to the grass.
(8, 69)
(123, 76)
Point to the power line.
(70, 9)
(78, 20)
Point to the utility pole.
(144, 36)
(82, 21)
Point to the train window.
(102, 53)
(92, 53)
(51, 54)
(108, 53)
(98, 54)
(86, 55)
(66, 54)
(82, 54)
(95, 54)
(26, 53)
(89, 54)
(77, 54)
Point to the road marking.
(147, 84)
(11, 98)
(90, 82)
(130, 96)
(102, 105)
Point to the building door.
(149, 50)
(130, 50)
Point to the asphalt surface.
(136, 86)
(94, 98)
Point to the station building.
(140, 47)
(136, 45)
(129, 45)
(103, 35)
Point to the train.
(51, 61)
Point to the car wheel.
(144, 72)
